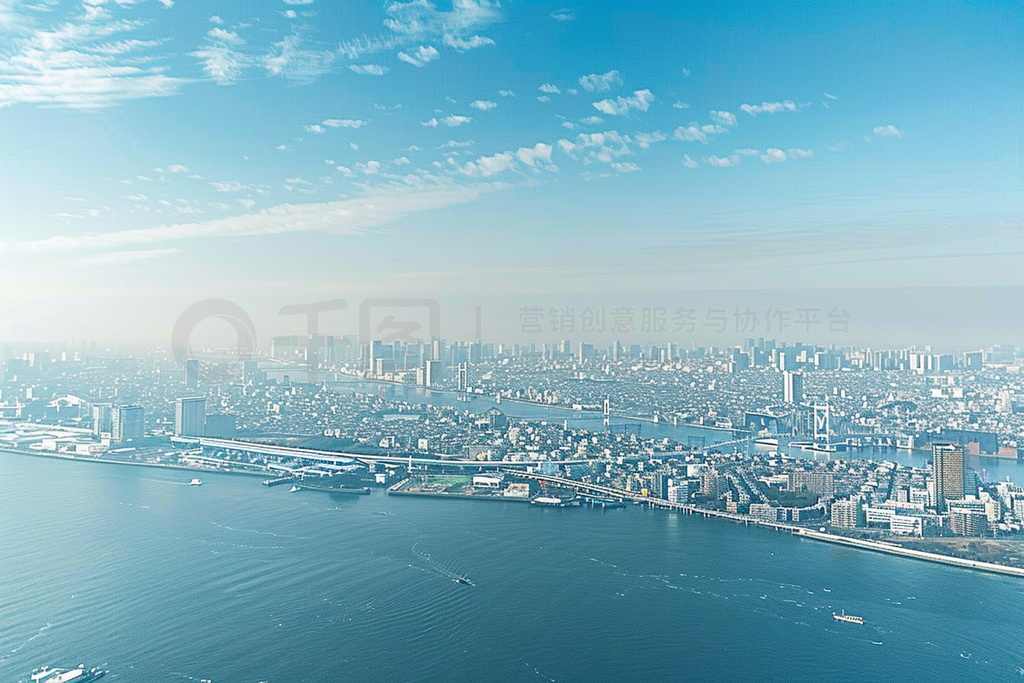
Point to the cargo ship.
(847, 618)
(79, 674)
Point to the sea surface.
(233, 582)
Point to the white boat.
(196, 482)
(847, 618)
(293, 489)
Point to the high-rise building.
(250, 369)
(102, 414)
(127, 423)
(792, 387)
(191, 374)
(950, 474)
(433, 373)
(190, 417)
(463, 379)
(847, 514)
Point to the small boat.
(847, 618)
(78, 674)
(293, 489)
(464, 581)
(196, 482)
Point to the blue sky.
(159, 151)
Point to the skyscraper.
(191, 374)
(792, 387)
(433, 372)
(463, 377)
(949, 472)
(190, 417)
(127, 423)
(102, 414)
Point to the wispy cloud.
(420, 56)
(483, 105)
(563, 14)
(640, 101)
(550, 88)
(83, 63)
(351, 216)
(369, 69)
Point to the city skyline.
(856, 147)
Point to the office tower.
(433, 373)
(792, 387)
(950, 474)
(191, 374)
(101, 419)
(463, 380)
(250, 369)
(127, 423)
(190, 417)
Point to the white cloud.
(420, 56)
(483, 105)
(488, 166)
(223, 36)
(506, 93)
(369, 168)
(769, 107)
(122, 257)
(176, 168)
(773, 156)
(456, 144)
(453, 120)
(725, 118)
(369, 69)
(597, 147)
(290, 60)
(831, 97)
(889, 131)
(351, 216)
(464, 44)
(538, 155)
(796, 153)
(680, 105)
(645, 140)
(431, 123)
(298, 2)
(592, 120)
(625, 167)
(620, 106)
(344, 123)
(421, 18)
(543, 98)
(563, 15)
(550, 89)
(221, 64)
(724, 162)
(686, 72)
(600, 82)
(216, 20)
(315, 129)
(168, 4)
(229, 186)
(688, 162)
(80, 64)
(697, 133)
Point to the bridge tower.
(822, 425)
(606, 410)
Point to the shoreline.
(108, 461)
(892, 549)
(810, 534)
